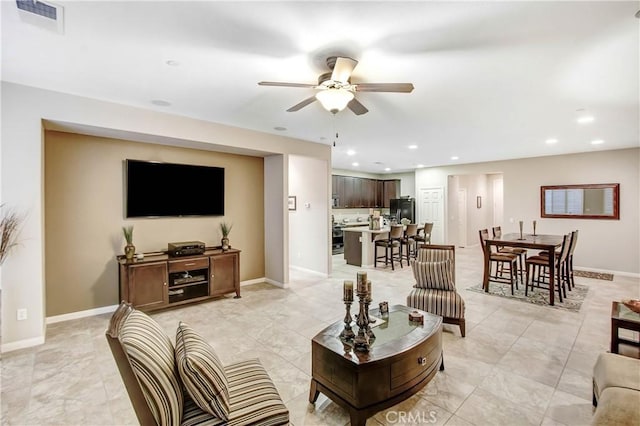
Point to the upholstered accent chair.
(186, 384)
(434, 270)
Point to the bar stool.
(409, 241)
(426, 238)
(394, 241)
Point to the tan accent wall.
(84, 214)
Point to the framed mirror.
(600, 201)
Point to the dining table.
(527, 241)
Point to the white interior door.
(462, 218)
(432, 210)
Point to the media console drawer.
(188, 264)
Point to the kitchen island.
(359, 245)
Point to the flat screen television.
(155, 189)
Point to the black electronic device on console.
(185, 248)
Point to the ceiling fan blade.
(342, 69)
(384, 87)
(276, 83)
(357, 108)
(302, 104)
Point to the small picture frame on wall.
(479, 202)
(292, 202)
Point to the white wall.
(276, 223)
(309, 223)
(24, 112)
(611, 245)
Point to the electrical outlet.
(21, 314)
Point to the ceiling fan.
(335, 89)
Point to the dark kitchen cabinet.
(355, 192)
(391, 190)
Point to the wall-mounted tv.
(165, 189)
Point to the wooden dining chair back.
(520, 252)
(538, 270)
(434, 290)
(408, 241)
(500, 260)
(574, 241)
(394, 241)
(424, 234)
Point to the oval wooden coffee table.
(403, 358)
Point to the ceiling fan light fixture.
(334, 100)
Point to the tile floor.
(520, 364)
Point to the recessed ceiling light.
(355, 164)
(387, 169)
(597, 142)
(455, 157)
(172, 63)
(351, 152)
(420, 166)
(160, 102)
(585, 119)
(280, 128)
(551, 141)
(413, 146)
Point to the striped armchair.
(435, 290)
(187, 385)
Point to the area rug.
(594, 275)
(538, 296)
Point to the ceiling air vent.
(43, 14)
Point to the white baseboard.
(607, 271)
(274, 282)
(81, 314)
(22, 344)
(308, 271)
(253, 281)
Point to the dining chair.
(389, 244)
(500, 259)
(434, 270)
(409, 242)
(424, 238)
(568, 267)
(520, 252)
(540, 265)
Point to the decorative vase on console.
(225, 228)
(129, 249)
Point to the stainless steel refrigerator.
(401, 208)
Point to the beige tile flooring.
(520, 364)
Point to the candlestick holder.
(367, 302)
(347, 332)
(362, 341)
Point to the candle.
(521, 223)
(534, 227)
(362, 280)
(348, 291)
(368, 288)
